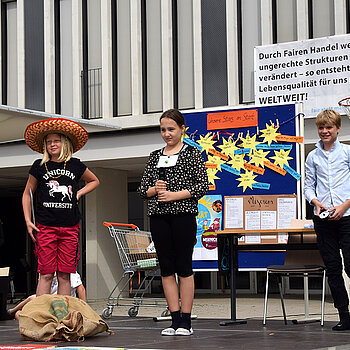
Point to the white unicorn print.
(55, 187)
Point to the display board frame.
(290, 120)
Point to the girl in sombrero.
(56, 177)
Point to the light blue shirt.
(327, 175)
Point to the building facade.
(115, 65)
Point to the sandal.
(184, 331)
(168, 331)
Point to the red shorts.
(57, 248)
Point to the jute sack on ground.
(59, 317)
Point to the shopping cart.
(137, 254)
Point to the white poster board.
(315, 72)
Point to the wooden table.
(233, 235)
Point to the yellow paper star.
(206, 142)
(212, 175)
(185, 136)
(281, 157)
(258, 156)
(237, 161)
(216, 160)
(269, 134)
(228, 147)
(249, 141)
(247, 180)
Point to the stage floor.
(144, 333)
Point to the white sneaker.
(168, 331)
(184, 331)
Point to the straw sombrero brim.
(35, 133)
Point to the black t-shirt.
(57, 192)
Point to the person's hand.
(166, 196)
(30, 228)
(339, 212)
(160, 186)
(319, 206)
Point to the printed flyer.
(208, 221)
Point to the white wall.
(109, 202)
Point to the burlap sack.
(59, 317)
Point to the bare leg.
(21, 304)
(186, 293)
(63, 283)
(15, 310)
(171, 292)
(44, 284)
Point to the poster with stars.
(252, 151)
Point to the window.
(323, 18)
(250, 33)
(122, 93)
(183, 50)
(65, 87)
(152, 56)
(214, 52)
(92, 60)
(34, 54)
(9, 53)
(286, 21)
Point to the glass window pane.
(154, 56)
(12, 54)
(66, 57)
(214, 53)
(185, 54)
(323, 18)
(286, 20)
(94, 75)
(124, 57)
(251, 36)
(94, 34)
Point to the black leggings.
(174, 237)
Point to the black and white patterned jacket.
(189, 173)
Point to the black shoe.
(341, 326)
(9, 315)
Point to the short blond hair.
(328, 116)
(66, 150)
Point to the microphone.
(162, 175)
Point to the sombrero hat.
(35, 133)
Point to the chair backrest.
(302, 256)
(306, 238)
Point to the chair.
(4, 286)
(298, 263)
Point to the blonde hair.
(328, 116)
(66, 150)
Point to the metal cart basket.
(137, 253)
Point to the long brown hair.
(175, 115)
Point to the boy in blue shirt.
(327, 188)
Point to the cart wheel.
(106, 313)
(133, 311)
(165, 313)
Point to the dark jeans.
(331, 237)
